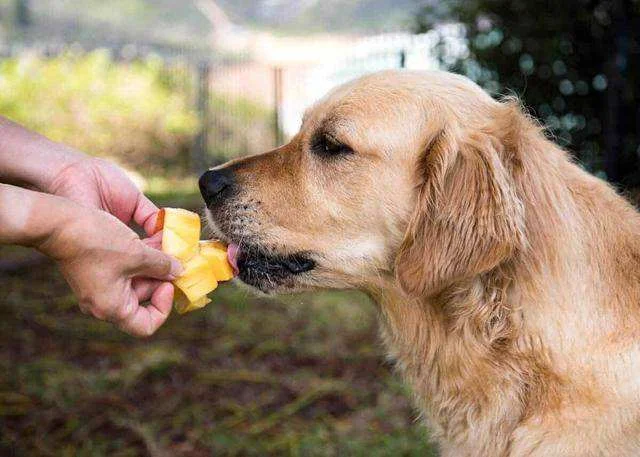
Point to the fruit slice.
(180, 232)
(197, 279)
(205, 263)
(183, 305)
(216, 253)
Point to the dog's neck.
(460, 351)
(478, 354)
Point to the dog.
(507, 278)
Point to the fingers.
(154, 241)
(143, 321)
(129, 315)
(145, 214)
(153, 263)
(144, 288)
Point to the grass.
(248, 375)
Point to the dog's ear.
(468, 218)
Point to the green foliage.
(141, 113)
(137, 112)
(575, 64)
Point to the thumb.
(145, 214)
(156, 264)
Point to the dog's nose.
(215, 185)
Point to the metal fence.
(279, 95)
(238, 106)
(363, 56)
(235, 99)
(244, 106)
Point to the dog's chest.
(467, 384)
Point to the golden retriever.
(507, 278)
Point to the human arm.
(30, 159)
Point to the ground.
(248, 375)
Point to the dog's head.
(401, 174)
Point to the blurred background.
(166, 88)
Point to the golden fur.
(507, 278)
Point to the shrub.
(138, 112)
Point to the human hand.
(108, 267)
(100, 184)
(114, 290)
(31, 160)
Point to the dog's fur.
(507, 277)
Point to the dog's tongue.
(232, 256)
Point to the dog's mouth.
(254, 262)
(266, 271)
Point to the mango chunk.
(205, 262)
(197, 279)
(216, 253)
(180, 232)
(183, 305)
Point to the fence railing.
(244, 106)
(234, 99)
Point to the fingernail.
(176, 268)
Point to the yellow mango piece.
(183, 305)
(197, 278)
(180, 232)
(216, 253)
(205, 262)
(175, 245)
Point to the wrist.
(59, 159)
(58, 232)
(31, 218)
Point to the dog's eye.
(326, 145)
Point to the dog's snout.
(215, 185)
